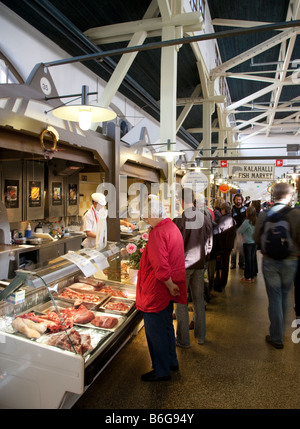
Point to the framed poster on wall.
(11, 194)
(56, 193)
(35, 197)
(73, 194)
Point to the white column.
(168, 93)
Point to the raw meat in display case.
(117, 305)
(73, 339)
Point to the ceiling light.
(168, 154)
(197, 165)
(84, 113)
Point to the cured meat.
(117, 305)
(97, 284)
(72, 294)
(113, 292)
(105, 322)
(19, 325)
(84, 287)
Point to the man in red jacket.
(161, 282)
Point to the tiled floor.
(234, 369)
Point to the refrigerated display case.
(59, 328)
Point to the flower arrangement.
(135, 251)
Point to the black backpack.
(276, 240)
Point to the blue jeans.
(195, 282)
(161, 340)
(278, 276)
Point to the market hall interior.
(234, 369)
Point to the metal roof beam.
(257, 94)
(237, 23)
(256, 50)
(190, 22)
(187, 108)
(182, 40)
(248, 158)
(286, 54)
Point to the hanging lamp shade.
(197, 165)
(84, 113)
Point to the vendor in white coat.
(95, 223)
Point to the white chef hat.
(99, 198)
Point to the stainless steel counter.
(16, 255)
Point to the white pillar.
(168, 94)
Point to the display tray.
(94, 336)
(115, 292)
(126, 291)
(103, 315)
(116, 306)
(88, 299)
(48, 306)
(105, 286)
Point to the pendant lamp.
(84, 113)
(168, 154)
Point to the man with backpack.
(277, 234)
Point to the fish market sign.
(246, 172)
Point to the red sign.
(223, 163)
(279, 162)
(224, 188)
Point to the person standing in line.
(249, 246)
(95, 223)
(279, 274)
(161, 282)
(217, 208)
(257, 205)
(258, 208)
(211, 264)
(196, 230)
(224, 236)
(238, 213)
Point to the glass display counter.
(60, 324)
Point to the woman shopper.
(224, 236)
(249, 246)
(161, 282)
(211, 264)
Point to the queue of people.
(177, 254)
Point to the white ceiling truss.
(265, 112)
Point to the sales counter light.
(84, 113)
